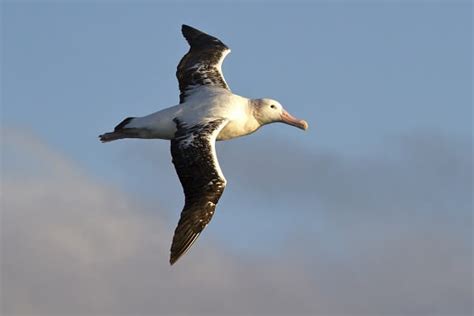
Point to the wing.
(201, 66)
(195, 161)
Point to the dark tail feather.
(122, 124)
(118, 133)
(108, 137)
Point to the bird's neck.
(254, 105)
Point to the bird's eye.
(273, 106)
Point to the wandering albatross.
(208, 111)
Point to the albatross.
(207, 111)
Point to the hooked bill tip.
(304, 125)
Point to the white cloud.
(74, 246)
(71, 246)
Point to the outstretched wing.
(195, 161)
(201, 66)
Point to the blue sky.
(385, 87)
(389, 68)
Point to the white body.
(204, 104)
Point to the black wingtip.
(175, 256)
(197, 38)
(185, 28)
(190, 33)
(172, 261)
(181, 244)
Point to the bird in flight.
(207, 111)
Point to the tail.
(108, 137)
(119, 132)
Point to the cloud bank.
(72, 245)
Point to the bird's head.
(268, 111)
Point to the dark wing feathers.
(196, 38)
(202, 64)
(195, 161)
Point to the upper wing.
(202, 64)
(195, 161)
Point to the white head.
(268, 111)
